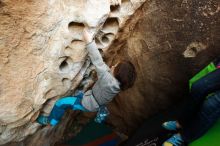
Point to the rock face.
(42, 58)
(42, 54)
(168, 41)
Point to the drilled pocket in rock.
(98, 43)
(66, 82)
(76, 29)
(101, 52)
(76, 50)
(77, 45)
(115, 8)
(125, 1)
(107, 39)
(111, 26)
(193, 49)
(65, 65)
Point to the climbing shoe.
(43, 120)
(102, 114)
(175, 140)
(170, 125)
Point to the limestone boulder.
(42, 54)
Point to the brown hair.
(125, 73)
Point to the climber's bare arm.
(94, 53)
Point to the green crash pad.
(211, 138)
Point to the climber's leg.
(200, 90)
(208, 114)
(59, 109)
(43, 120)
(206, 85)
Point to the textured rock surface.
(42, 54)
(41, 57)
(168, 41)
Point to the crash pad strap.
(209, 68)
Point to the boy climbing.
(110, 82)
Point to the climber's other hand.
(87, 35)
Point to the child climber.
(110, 82)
